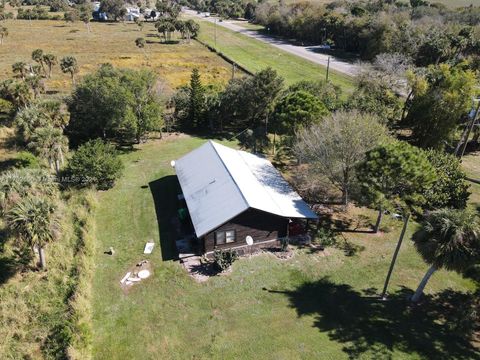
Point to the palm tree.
(36, 83)
(140, 43)
(3, 34)
(139, 24)
(192, 29)
(20, 69)
(35, 222)
(85, 14)
(56, 111)
(17, 92)
(181, 27)
(12, 187)
(50, 144)
(51, 61)
(18, 183)
(28, 119)
(37, 55)
(448, 239)
(69, 65)
(166, 27)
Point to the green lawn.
(308, 307)
(256, 55)
(471, 165)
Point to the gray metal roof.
(219, 183)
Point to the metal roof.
(219, 183)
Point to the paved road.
(307, 52)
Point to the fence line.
(225, 57)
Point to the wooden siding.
(261, 226)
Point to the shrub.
(95, 163)
(26, 159)
(450, 189)
(7, 111)
(325, 237)
(223, 259)
(284, 243)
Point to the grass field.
(308, 307)
(256, 55)
(471, 165)
(108, 42)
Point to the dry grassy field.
(107, 42)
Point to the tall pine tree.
(197, 100)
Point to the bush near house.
(223, 259)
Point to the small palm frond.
(449, 239)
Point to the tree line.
(67, 143)
(351, 142)
(427, 33)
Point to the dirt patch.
(172, 136)
(279, 253)
(133, 278)
(202, 270)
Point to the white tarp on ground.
(220, 183)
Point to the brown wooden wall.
(261, 226)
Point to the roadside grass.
(308, 307)
(255, 55)
(248, 25)
(107, 42)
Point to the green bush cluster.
(37, 13)
(223, 259)
(325, 237)
(95, 163)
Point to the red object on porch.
(296, 228)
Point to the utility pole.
(266, 124)
(233, 70)
(395, 255)
(470, 128)
(215, 32)
(328, 68)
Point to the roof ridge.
(259, 182)
(213, 144)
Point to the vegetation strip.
(225, 57)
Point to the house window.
(230, 236)
(224, 237)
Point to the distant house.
(132, 13)
(232, 194)
(151, 14)
(96, 14)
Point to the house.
(232, 195)
(131, 17)
(96, 14)
(151, 14)
(132, 13)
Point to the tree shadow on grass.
(373, 328)
(8, 268)
(345, 224)
(8, 263)
(164, 192)
(8, 164)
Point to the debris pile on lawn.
(148, 247)
(136, 274)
